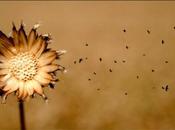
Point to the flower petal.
(22, 38)
(47, 61)
(41, 80)
(45, 75)
(49, 68)
(7, 43)
(21, 89)
(15, 37)
(37, 45)
(2, 84)
(47, 54)
(12, 84)
(37, 87)
(25, 92)
(3, 59)
(41, 49)
(4, 65)
(31, 38)
(6, 52)
(4, 71)
(5, 78)
(29, 87)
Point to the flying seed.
(80, 60)
(100, 59)
(166, 88)
(144, 54)
(163, 41)
(110, 70)
(148, 31)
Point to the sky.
(120, 60)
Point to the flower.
(26, 64)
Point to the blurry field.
(126, 77)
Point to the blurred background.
(120, 64)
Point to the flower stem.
(22, 115)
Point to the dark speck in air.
(94, 73)
(123, 61)
(110, 70)
(152, 70)
(115, 61)
(98, 89)
(80, 60)
(100, 59)
(124, 30)
(75, 62)
(163, 41)
(166, 61)
(148, 31)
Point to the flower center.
(23, 66)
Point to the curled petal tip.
(46, 35)
(10, 34)
(50, 41)
(4, 99)
(61, 52)
(14, 27)
(65, 71)
(23, 24)
(36, 26)
(45, 98)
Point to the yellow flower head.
(26, 64)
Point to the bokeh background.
(138, 36)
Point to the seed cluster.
(23, 66)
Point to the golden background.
(116, 100)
